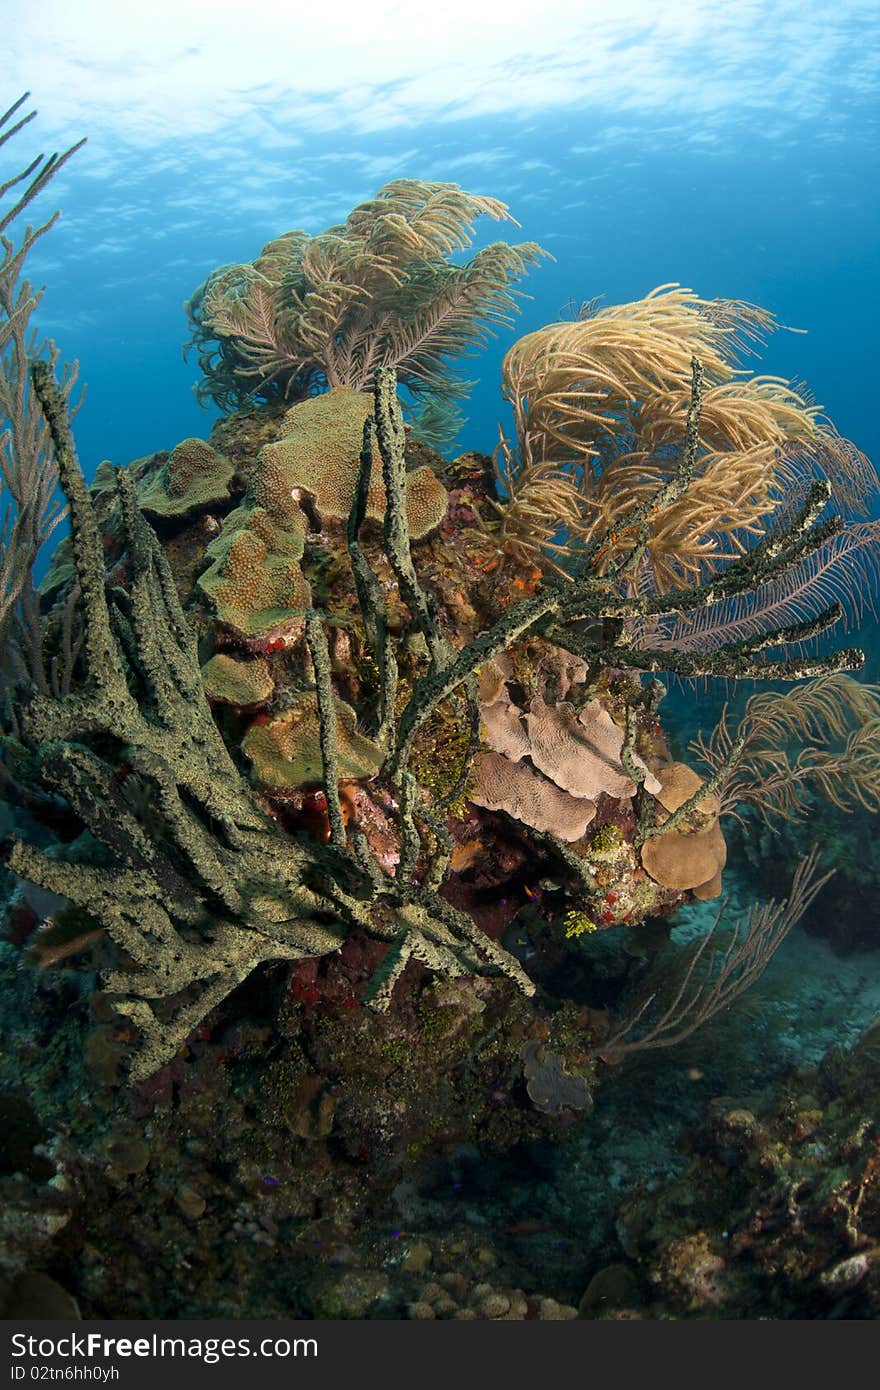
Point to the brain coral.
(500, 785)
(193, 478)
(319, 451)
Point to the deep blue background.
(790, 223)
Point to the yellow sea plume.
(600, 405)
(378, 290)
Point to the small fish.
(526, 1228)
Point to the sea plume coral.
(824, 737)
(28, 476)
(598, 405)
(379, 290)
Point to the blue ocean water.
(730, 149)
(733, 150)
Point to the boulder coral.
(318, 452)
(229, 681)
(194, 478)
(254, 580)
(285, 750)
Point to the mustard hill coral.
(229, 681)
(285, 751)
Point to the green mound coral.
(229, 681)
(194, 478)
(379, 290)
(286, 750)
(319, 452)
(254, 580)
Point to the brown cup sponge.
(691, 856)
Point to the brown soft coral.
(378, 290)
(599, 405)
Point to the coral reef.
(210, 882)
(348, 787)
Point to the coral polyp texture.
(376, 713)
(195, 478)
